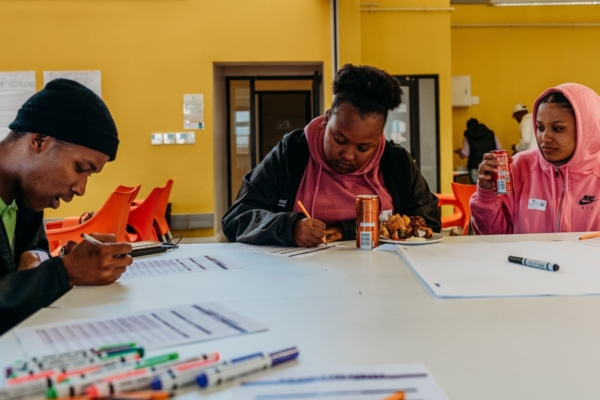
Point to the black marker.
(533, 263)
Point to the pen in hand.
(323, 239)
(90, 239)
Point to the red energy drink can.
(367, 221)
(502, 180)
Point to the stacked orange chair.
(110, 218)
(161, 226)
(460, 201)
(141, 218)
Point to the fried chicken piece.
(383, 231)
(394, 223)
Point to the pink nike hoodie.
(546, 198)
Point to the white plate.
(437, 237)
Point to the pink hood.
(546, 198)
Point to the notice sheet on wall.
(15, 89)
(90, 79)
(193, 111)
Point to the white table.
(356, 307)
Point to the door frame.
(317, 78)
(414, 116)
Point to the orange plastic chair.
(110, 218)
(463, 194)
(141, 217)
(161, 226)
(460, 201)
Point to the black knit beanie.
(68, 111)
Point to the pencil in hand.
(323, 239)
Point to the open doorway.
(255, 105)
(415, 124)
(260, 111)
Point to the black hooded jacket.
(22, 293)
(262, 213)
(481, 140)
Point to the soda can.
(367, 222)
(502, 180)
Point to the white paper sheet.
(289, 252)
(369, 382)
(179, 265)
(150, 329)
(90, 79)
(15, 89)
(483, 270)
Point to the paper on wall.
(90, 79)
(15, 89)
(193, 111)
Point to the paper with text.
(181, 265)
(483, 270)
(149, 329)
(371, 382)
(15, 89)
(90, 79)
(280, 251)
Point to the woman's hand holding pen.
(308, 232)
(97, 264)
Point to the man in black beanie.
(61, 136)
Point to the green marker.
(149, 362)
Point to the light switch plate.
(156, 138)
(181, 138)
(169, 138)
(191, 137)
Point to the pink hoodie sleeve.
(491, 213)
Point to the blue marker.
(226, 373)
(174, 379)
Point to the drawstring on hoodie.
(314, 199)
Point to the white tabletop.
(359, 307)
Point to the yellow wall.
(515, 65)
(150, 54)
(349, 31)
(414, 43)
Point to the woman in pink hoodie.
(335, 158)
(555, 187)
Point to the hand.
(308, 232)
(68, 247)
(32, 259)
(97, 264)
(487, 166)
(333, 233)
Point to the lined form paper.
(150, 329)
(182, 265)
(369, 382)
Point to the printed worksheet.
(181, 265)
(149, 329)
(280, 251)
(370, 382)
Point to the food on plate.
(401, 228)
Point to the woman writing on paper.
(336, 157)
(556, 185)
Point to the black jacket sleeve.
(22, 293)
(257, 216)
(422, 202)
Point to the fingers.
(308, 232)
(332, 234)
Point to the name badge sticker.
(537, 204)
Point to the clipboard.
(149, 247)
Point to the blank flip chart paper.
(150, 329)
(183, 265)
(370, 382)
(483, 270)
